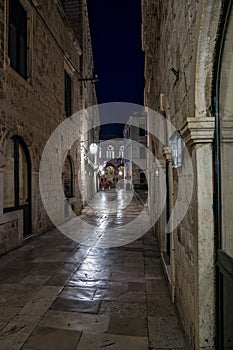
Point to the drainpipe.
(164, 107)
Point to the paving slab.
(75, 321)
(13, 336)
(123, 309)
(127, 326)
(110, 341)
(165, 333)
(77, 293)
(160, 306)
(75, 305)
(37, 279)
(71, 296)
(59, 279)
(7, 313)
(47, 293)
(35, 308)
(48, 338)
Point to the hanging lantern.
(93, 148)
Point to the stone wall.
(33, 108)
(11, 230)
(180, 35)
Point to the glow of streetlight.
(93, 148)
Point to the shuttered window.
(68, 97)
(17, 41)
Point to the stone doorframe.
(198, 134)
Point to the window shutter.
(17, 49)
(68, 107)
(23, 57)
(12, 46)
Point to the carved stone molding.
(198, 130)
(227, 129)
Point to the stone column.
(198, 133)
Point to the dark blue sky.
(118, 57)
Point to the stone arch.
(27, 136)
(210, 14)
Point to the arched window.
(121, 152)
(17, 180)
(110, 154)
(67, 177)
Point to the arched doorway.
(67, 177)
(223, 106)
(17, 181)
(68, 183)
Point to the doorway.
(17, 181)
(223, 107)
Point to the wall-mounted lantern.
(176, 150)
(93, 148)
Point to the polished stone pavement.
(56, 294)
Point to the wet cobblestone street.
(56, 294)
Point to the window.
(68, 95)
(142, 131)
(16, 174)
(17, 41)
(121, 152)
(110, 154)
(17, 181)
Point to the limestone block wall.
(174, 36)
(11, 231)
(33, 108)
(181, 35)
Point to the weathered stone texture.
(174, 32)
(181, 35)
(32, 109)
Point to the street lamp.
(93, 148)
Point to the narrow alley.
(116, 139)
(58, 295)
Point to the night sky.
(118, 57)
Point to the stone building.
(45, 56)
(111, 162)
(135, 142)
(188, 74)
